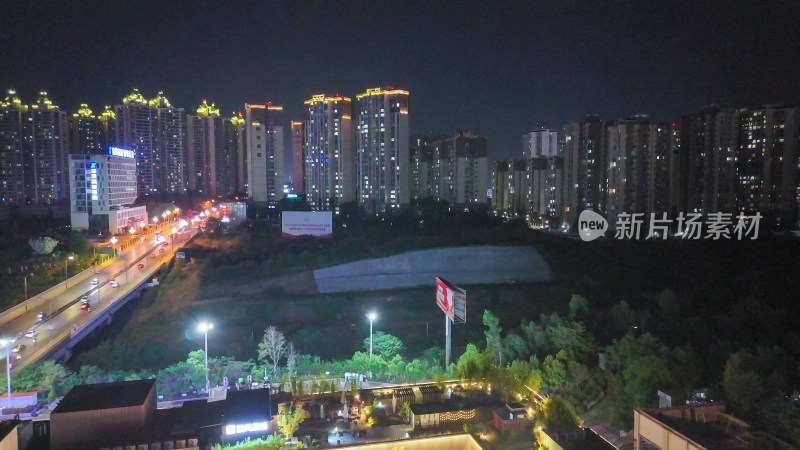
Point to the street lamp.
(6, 343)
(371, 316)
(66, 277)
(204, 327)
(113, 245)
(25, 282)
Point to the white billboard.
(299, 223)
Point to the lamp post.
(66, 276)
(371, 316)
(204, 327)
(113, 245)
(25, 282)
(5, 343)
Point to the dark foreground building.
(123, 414)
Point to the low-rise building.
(436, 414)
(510, 417)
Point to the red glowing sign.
(224, 210)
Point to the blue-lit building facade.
(102, 188)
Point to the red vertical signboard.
(445, 297)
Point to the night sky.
(497, 68)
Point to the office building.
(329, 152)
(768, 161)
(12, 174)
(264, 130)
(102, 186)
(584, 167)
(382, 148)
(155, 131)
(46, 146)
(461, 168)
(540, 142)
(708, 155)
(298, 157)
(87, 133)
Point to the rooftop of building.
(433, 408)
(92, 397)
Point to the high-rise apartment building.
(461, 168)
(12, 158)
(298, 157)
(264, 132)
(540, 142)
(422, 175)
(584, 167)
(46, 148)
(544, 178)
(108, 123)
(707, 161)
(171, 124)
(86, 132)
(137, 130)
(510, 187)
(155, 131)
(210, 164)
(329, 152)
(237, 139)
(768, 161)
(382, 147)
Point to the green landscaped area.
(675, 308)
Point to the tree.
(578, 306)
(668, 304)
(473, 363)
(494, 343)
(559, 415)
(291, 359)
(404, 410)
(43, 246)
(272, 348)
(289, 420)
(385, 345)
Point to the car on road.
(161, 250)
(140, 265)
(165, 244)
(31, 333)
(18, 348)
(41, 316)
(84, 306)
(152, 255)
(85, 299)
(95, 281)
(113, 283)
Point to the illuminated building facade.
(86, 132)
(461, 169)
(264, 129)
(108, 124)
(382, 147)
(584, 167)
(422, 178)
(540, 142)
(329, 152)
(707, 161)
(102, 186)
(205, 140)
(46, 150)
(12, 173)
(155, 131)
(509, 187)
(235, 142)
(298, 157)
(171, 145)
(768, 161)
